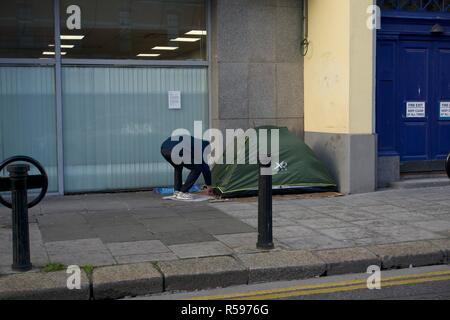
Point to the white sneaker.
(173, 196)
(184, 196)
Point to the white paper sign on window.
(445, 110)
(415, 109)
(174, 100)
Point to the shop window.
(26, 28)
(132, 29)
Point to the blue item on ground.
(169, 191)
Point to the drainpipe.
(305, 41)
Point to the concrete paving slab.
(67, 232)
(203, 215)
(146, 202)
(182, 237)
(282, 265)
(292, 232)
(126, 233)
(336, 208)
(434, 226)
(348, 260)
(383, 209)
(222, 226)
(324, 223)
(409, 203)
(445, 202)
(168, 224)
(243, 214)
(39, 256)
(240, 242)
(38, 252)
(301, 214)
(311, 203)
(152, 213)
(5, 220)
(348, 233)
(282, 222)
(376, 223)
(62, 205)
(287, 206)
(197, 207)
(315, 242)
(444, 216)
(245, 242)
(204, 273)
(41, 286)
(404, 233)
(432, 194)
(200, 249)
(420, 183)
(403, 255)
(101, 205)
(405, 216)
(234, 206)
(359, 201)
(115, 282)
(110, 218)
(433, 209)
(149, 257)
(373, 241)
(252, 222)
(79, 252)
(352, 216)
(61, 219)
(137, 247)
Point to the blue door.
(413, 98)
(440, 131)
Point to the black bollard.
(265, 234)
(18, 174)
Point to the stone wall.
(257, 65)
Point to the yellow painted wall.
(339, 68)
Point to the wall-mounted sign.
(415, 109)
(444, 110)
(174, 100)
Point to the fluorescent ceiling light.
(181, 39)
(71, 37)
(164, 48)
(196, 33)
(64, 46)
(148, 55)
(51, 53)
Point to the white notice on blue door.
(415, 109)
(445, 110)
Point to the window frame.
(109, 62)
(58, 63)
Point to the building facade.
(91, 88)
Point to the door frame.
(400, 26)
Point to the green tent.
(298, 170)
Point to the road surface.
(414, 283)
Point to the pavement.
(140, 244)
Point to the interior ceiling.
(112, 29)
